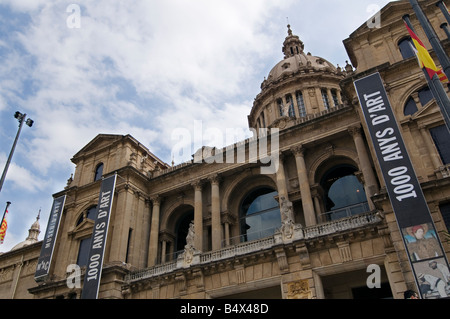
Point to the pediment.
(99, 142)
(431, 108)
(391, 12)
(83, 229)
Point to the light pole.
(20, 117)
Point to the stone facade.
(181, 231)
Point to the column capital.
(354, 130)
(298, 150)
(156, 200)
(215, 179)
(198, 185)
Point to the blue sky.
(143, 68)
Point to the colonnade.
(310, 203)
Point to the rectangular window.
(280, 107)
(326, 102)
(301, 104)
(335, 99)
(441, 138)
(83, 252)
(290, 103)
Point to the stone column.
(198, 215)
(305, 190)
(216, 227)
(339, 97)
(154, 232)
(163, 251)
(370, 182)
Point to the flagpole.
(21, 118)
(436, 87)
(432, 37)
(444, 10)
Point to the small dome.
(33, 234)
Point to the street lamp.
(20, 117)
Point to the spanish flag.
(3, 228)
(425, 59)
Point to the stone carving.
(299, 290)
(190, 254)
(287, 223)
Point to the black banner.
(48, 244)
(422, 243)
(95, 261)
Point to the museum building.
(313, 228)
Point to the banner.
(48, 244)
(423, 247)
(95, 261)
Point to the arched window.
(98, 172)
(405, 47)
(425, 96)
(182, 229)
(410, 107)
(91, 213)
(259, 214)
(344, 194)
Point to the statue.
(189, 248)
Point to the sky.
(146, 68)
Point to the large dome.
(296, 60)
(299, 62)
(298, 88)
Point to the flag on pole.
(424, 58)
(3, 228)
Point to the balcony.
(309, 233)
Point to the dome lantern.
(292, 45)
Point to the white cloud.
(144, 68)
(21, 177)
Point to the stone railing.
(299, 233)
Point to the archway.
(259, 214)
(344, 194)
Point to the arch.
(181, 226)
(404, 46)
(90, 214)
(236, 193)
(245, 178)
(327, 158)
(176, 224)
(169, 213)
(343, 194)
(75, 217)
(259, 214)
